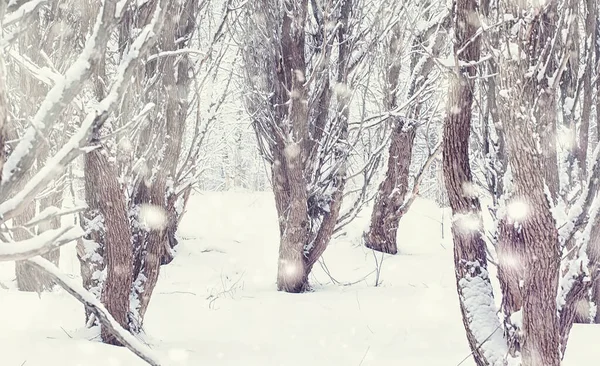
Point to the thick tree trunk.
(109, 227)
(101, 178)
(475, 292)
(291, 273)
(391, 201)
(154, 244)
(540, 258)
(528, 249)
(389, 204)
(178, 85)
(153, 249)
(289, 169)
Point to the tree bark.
(305, 144)
(391, 201)
(106, 202)
(529, 249)
(475, 292)
(117, 239)
(389, 204)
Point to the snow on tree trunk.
(117, 254)
(482, 326)
(112, 239)
(529, 249)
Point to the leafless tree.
(139, 178)
(22, 181)
(393, 197)
(299, 72)
(538, 251)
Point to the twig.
(67, 333)
(364, 356)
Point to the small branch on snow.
(88, 300)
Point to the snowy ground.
(216, 304)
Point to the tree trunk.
(389, 204)
(540, 258)
(28, 278)
(475, 292)
(107, 209)
(306, 145)
(176, 29)
(528, 249)
(149, 258)
(117, 239)
(291, 272)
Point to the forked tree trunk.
(305, 143)
(153, 245)
(391, 202)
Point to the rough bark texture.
(117, 238)
(305, 143)
(470, 260)
(179, 28)
(153, 246)
(391, 201)
(106, 200)
(540, 257)
(529, 249)
(389, 204)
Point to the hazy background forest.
(293, 182)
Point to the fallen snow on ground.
(216, 303)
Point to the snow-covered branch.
(57, 99)
(23, 11)
(94, 305)
(39, 245)
(94, 120)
